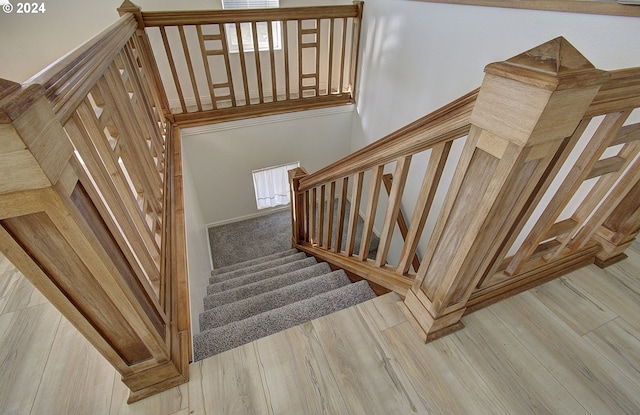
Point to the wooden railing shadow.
(498, 229)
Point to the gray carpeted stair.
(263, 296)
(255, 261)
(253, 268)
(311, 269)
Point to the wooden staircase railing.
(506, 218)
(91, 204)
(306, 59)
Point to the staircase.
(262, 296)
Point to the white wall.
(197, 248)
(221, 157)
(418, 56)
(30, 42)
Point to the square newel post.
(297, 205)
(526, 108)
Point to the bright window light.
(271, 185)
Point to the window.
(272, 185)
(246, 31)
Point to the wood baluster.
(330, 64)
(256, 55)
(312, 218)
(354, 212)
(172, 66)
(331, 202)
(614, 184)
(391, 215)
(342, 54)
(432, 176)
(321, 216)
(205, 60)
(272, 61)
(370, 215)
(355, 46)
(189, 62)
(287, 69)
(243, 64)
(342, 206)
(317, 71)
(227, 65)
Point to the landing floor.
(571, 346)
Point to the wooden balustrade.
(329, 233)
(91, 204)
(221, 65)
(496, 233)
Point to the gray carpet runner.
(263, 296)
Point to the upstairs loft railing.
(91, 203)
(533, 175)
(221, 65)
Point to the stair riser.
(249, 307)
(249, 263)
(260, 275)
(257, 267)
(266, 285)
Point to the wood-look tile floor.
(571, 346)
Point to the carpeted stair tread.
(260, 275)
(256, 267)
(270, 300)
(220, 339)
(269, 284)
(254, 261)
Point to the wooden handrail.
(387, 179)
(68, 80)
(200, 17)
(445, 124)
(621, 91)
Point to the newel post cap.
(128, 6)
(554, 65)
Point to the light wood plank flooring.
(571, 346)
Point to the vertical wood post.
(297, 205)
(527, 106)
